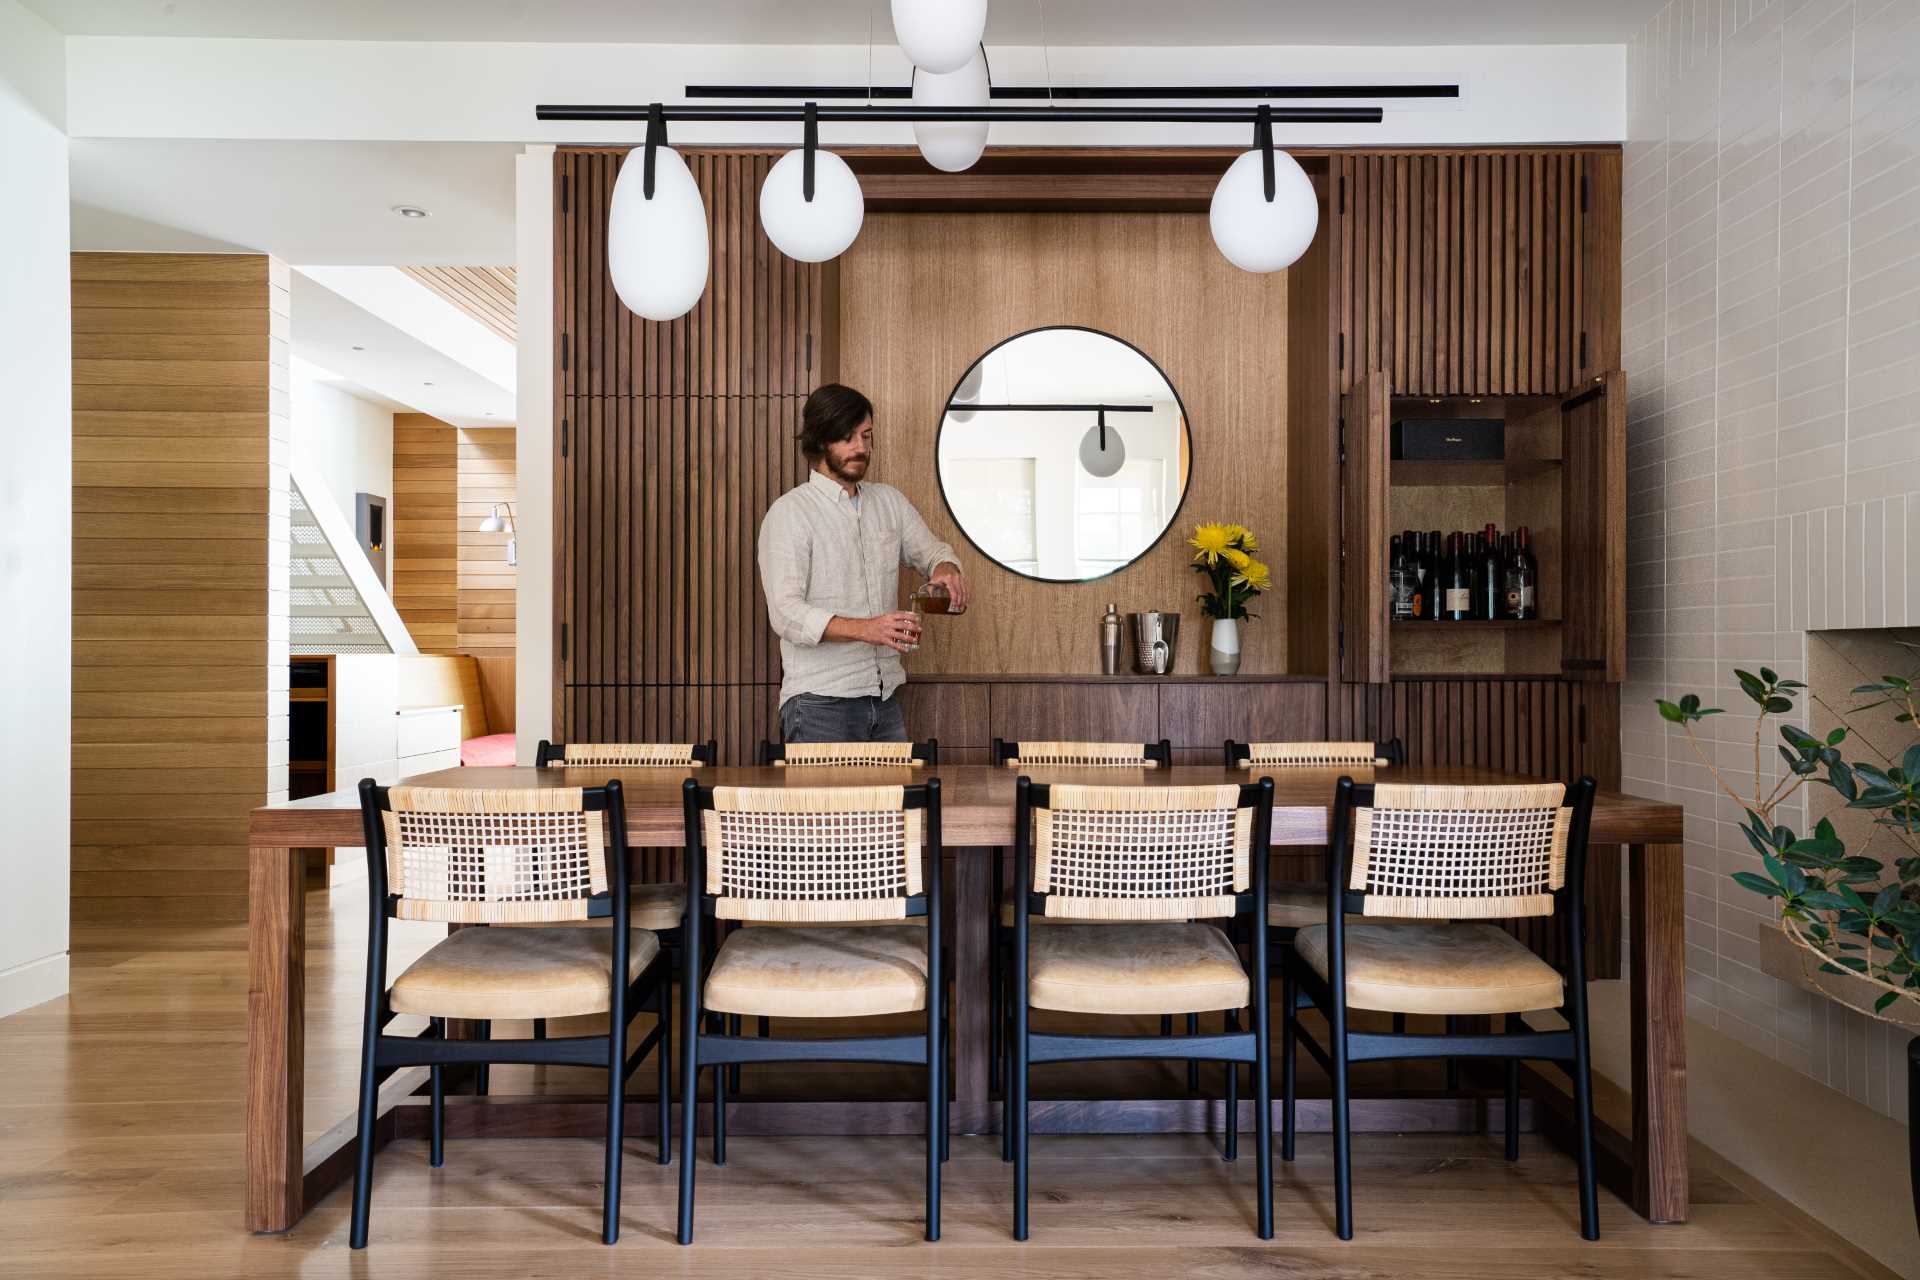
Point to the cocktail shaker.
(1110, 642)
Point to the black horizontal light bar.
(909, 114)
(1070, 92)
(963, 407)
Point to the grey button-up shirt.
(823, 554)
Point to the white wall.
(1772, 305)
(36, 524)
(347, 440)
(533, 624)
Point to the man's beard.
(851, 470)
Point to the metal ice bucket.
(1154, 636)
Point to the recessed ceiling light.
(359, 348)
(411, 211)
(426, 384)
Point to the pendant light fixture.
(1264, 212)
(810, 205)
(953, 145)
(939, 35)
(657, 229)
(1102, 452)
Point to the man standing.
(830, 557)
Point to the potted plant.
(1853, 921)
(1223, 555)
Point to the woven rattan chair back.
(848, 755)
(1439, 852)
(1087, 755)
(1141, 853)
(812, 854)
(624, 755)
(475, 856)
(1311, 755)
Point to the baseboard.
(35, 982)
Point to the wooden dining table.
(286, 1174)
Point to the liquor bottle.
(1522, 580)
(1436, 569)
(1486, 585)
(1456, 604)
(1399, 581)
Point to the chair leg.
(1166, 1024)
(1193, 1064)
(1232, 1152)
(1399, 1024)
(1342, 1139)
(733, 1069)
(369, 1117)
(946, 1084)
(1583, 1116)
(719, 1115)
(482, 1074)
(616, 1120)
(1018, 1128)
(689, 1082)
(663, 998)
(1513, 1102)
(1262, 1076)
(1287, 1032)
(936, 1119)
(437, 1117)
(539, 1028)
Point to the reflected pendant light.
(810, 204)
(1264, 213)
(657, 230)
(1102, 451)
(939, 35)
(967, 392)
(953, 145)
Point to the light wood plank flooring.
(120, 1141)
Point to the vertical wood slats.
(486, 475)
(1476, 272)
(679, 435)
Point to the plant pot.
(1223, 647)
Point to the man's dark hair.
(831, 415)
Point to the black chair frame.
(928, 753)
(1232, 1046)
(712, 1048)
(1569, 1047)
(553, 755)
(382, 1054)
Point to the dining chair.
(471, 858)
(1177, 858)
(1440, 862)
(827, 858)
(851, 755)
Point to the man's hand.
(898, 631)
(949, 576)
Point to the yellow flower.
(1242, 537)
(1237, 558)
(1209, 540)
(1254, 576)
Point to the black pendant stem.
(1263, 143)
(810, 144)
(656, 138)
(1102, 420)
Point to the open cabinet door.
(1364, 607)
(1594, 507)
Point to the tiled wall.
(1772, 348)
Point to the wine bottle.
(1522, 580)
(1436, 569)
(1457, 581)
(1420, 597)
(1486, 583)
(1399, 581)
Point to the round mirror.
(1063, 454)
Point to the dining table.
(286, 1174)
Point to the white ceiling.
(1066, 366)
(1067, 22)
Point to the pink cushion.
(494, 749)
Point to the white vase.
(1223, 646)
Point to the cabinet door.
(1363, 531)
(1593, 503)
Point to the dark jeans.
(813, 717)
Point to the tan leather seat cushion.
(1296, 908)
(1437, 968)
(1140, 968)
(656, 906)
(555, 972)
(820, 972)
(1006, 917)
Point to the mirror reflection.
(1064, 454)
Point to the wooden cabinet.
(1476, 272)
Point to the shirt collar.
(831, 487)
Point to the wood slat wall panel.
(180, 545)
(488, 294)
(1477, 272)
(486, 472)
(426, 530)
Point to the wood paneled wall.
(924, 295)
(673, 440)
(1477, 272)
(180, 605)
(426, 540)
(486, 581)
(488, 294)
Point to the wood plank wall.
(488, 294)
(180, 605)
(486, 476)
(924, 295)
(426, 494)
(673, 440)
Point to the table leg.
(1657, 904)
(276, 1038)
(972, 891)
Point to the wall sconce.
(498, 523)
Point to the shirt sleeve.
(786, 554)
(919, 549)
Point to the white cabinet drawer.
(421, 732)
(414, 766)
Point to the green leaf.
(1769, 675)
(1886, 998)
(1837, 737)
(1776, 705)
(1759, 884)
(1669, 712)
(1910, 763)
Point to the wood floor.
(120, 1142)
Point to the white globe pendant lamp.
(939, 35)
(810, 205)
(1102, 451)
(1264, 213)
(953, 145)
(657, 230)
